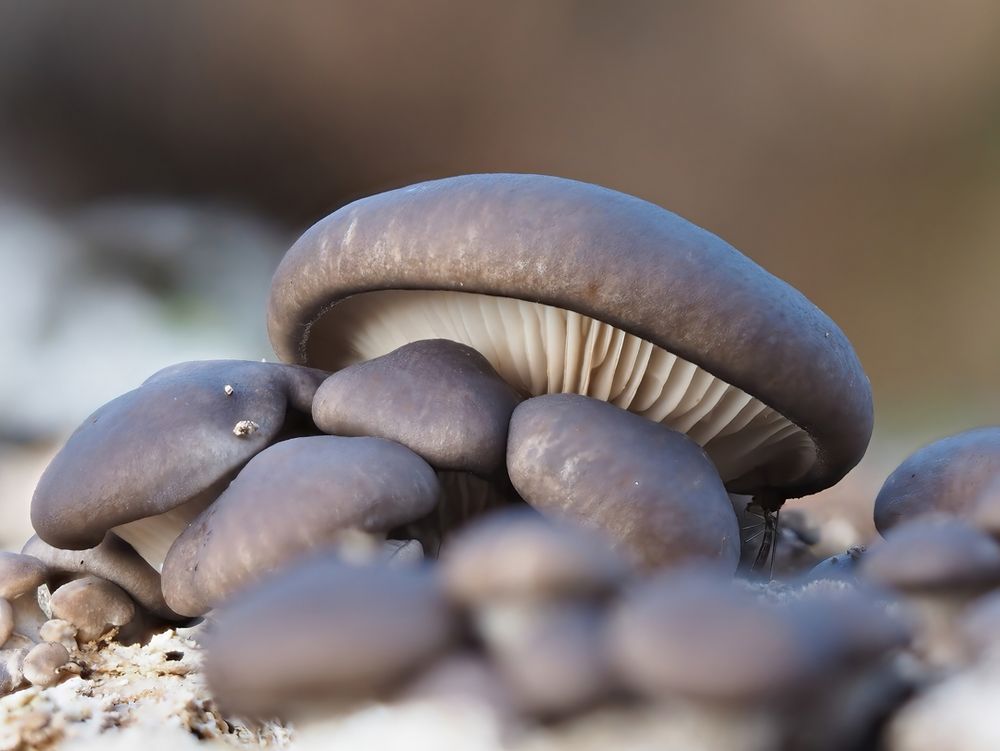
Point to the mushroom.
(440, 399)
(323, 632)
(113, 560)
(986, 510)
(718, 657)
(938, 566)
(148, 462)
(944, 477)
(650, 489)
(569, 287)
(292, 498)
(94, 606)
(536, 590)
(840, 567)
(46, 664)
(20, 614)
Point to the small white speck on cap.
(244, 428)
(228, 389)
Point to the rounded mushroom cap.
(931, 554)
(519, 554)
(597, 253)
(94, 606)
(696, 636)
(947, 476)
(441, 399)
(839, 567)
(113, 560)
(321, 630)
(44, 663)
(289, 500)
(166, 443)
(20, 574)
(651, 490)
(6, 621)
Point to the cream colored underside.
(152, 537)
(540, 349)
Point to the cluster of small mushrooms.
(527, 446)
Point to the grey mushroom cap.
(597, 253)
(113, 560)
(839, 567)
(441, 399)
(290, 499)
(325, 630)
(947, 476)
(19, 574)
(933, 554)
(693, 635)
(94, 606)
(650, 489)
(45, 663)
(6, 621)
(169, 442)
(521, 555)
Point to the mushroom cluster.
(526, 447)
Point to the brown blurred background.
(156, 159)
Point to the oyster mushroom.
(93, 606)
(293, 498)
(46, 664)
(148, 462)
(947, 476)
(536, 590)
(20, 615)
(938, 566)
(324, 632)
(650, 489)
(569, 287)
(840, 567)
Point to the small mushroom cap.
(113, 560)
(441, 399)
(650, 489)
(20, 574)
(324, 630)
(294, 497)
(933, 554)
(694, 635)
(839, 567)
(944, 477)
(44, 663)
(93, 605)
(597, 253)
(166, 443)
(519, 554)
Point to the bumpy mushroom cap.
(933, 554)
(439, 398)
(114, 560)
(45, 664)
(20, 574)
(696, 636)
(522, 555)
(165, 450)
(947, 476)
(653, 491)
(94, 606)
(289, 500)
(569, 287)
(324, 630)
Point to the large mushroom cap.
(947, 476)
(173, 442)
(650, 489)
(569, 287)
(439, 398)
(324, 629)
(290, 499)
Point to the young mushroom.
(323, 633)
(148, 462)
(570, 287)
(938, 566)
(46, 664)
(296, 497)
(840, 567)
(95, 607)
(947, 476)
(651, 490)
(536, 591)
(20, 615)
